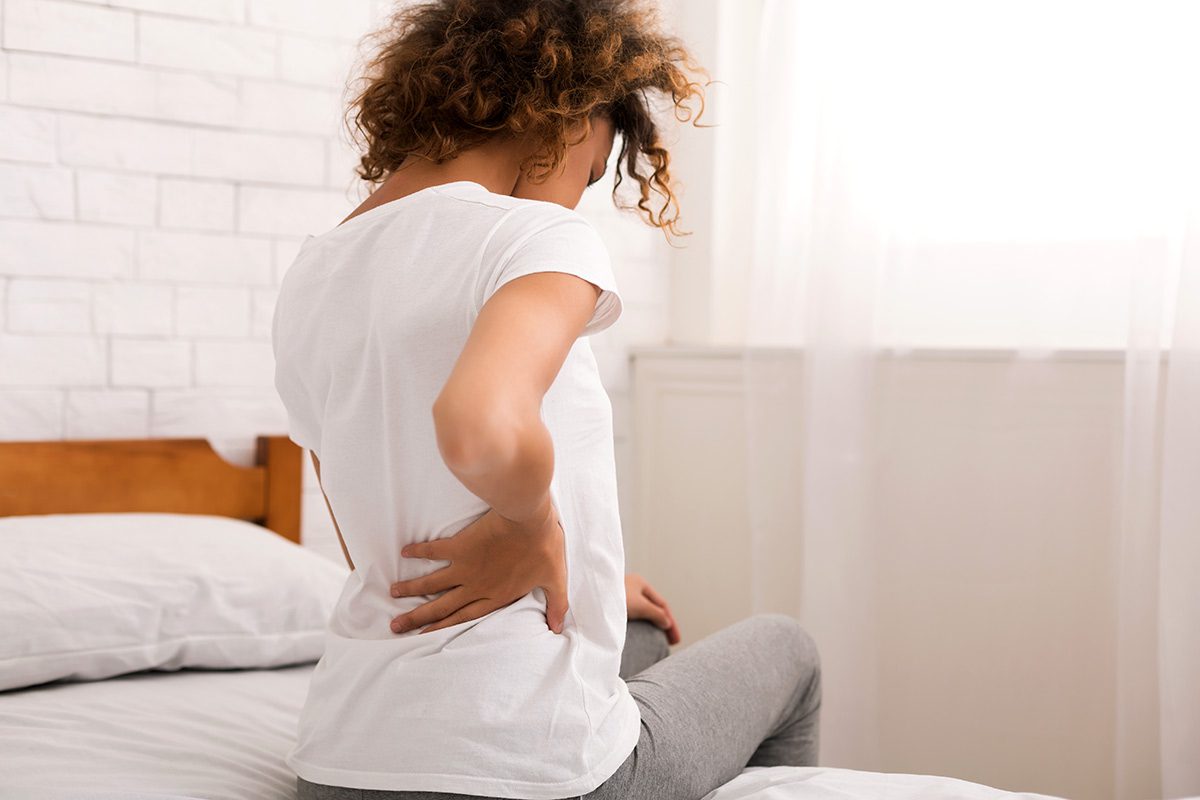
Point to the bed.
(184, 717)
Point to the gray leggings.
(748, 695)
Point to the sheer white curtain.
(981, 213)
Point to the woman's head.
(450, 75)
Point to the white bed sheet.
(222, 735)
(192, 733)
(825, 783)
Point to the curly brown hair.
(450, 74)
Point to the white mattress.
(223, 735)
(195, 734)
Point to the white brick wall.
(160, 161)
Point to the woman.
(432, 354)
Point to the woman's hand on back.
(493, 563)
(528, 325)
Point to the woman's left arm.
(642, 602)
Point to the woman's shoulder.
(544, 227)
(514, 211)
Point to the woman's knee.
(795, 647)
(786, 632)
(645, 645)
(653, 638)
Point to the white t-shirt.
(370, 319)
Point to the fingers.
(556, 588)
(671, 626)
(556, 608)
(467, 613)
(661, 618)
(437, 581)
(661, 602)
(436, 549)
(658, 616)
(643, 609)
(432, 611)
(654, 596)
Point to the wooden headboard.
(184, 476)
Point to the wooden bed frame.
(184, 476)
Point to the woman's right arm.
(488, 415)
(491, 435)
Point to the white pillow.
(90, 596)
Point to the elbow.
(474, 438)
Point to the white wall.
(160, 160)
(996, 505)
(996, 511)
(715, 166)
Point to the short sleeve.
(303, 435)
(302, 426)
(544, 237)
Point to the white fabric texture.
(825, 783)
(922, 195)
(90, 596)
(217, 735)
(224, 735)
(370, 319)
